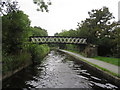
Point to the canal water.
(58, 70)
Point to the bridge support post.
(91, 50)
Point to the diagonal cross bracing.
(58, 39)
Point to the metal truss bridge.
(58, 40)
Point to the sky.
(65, 14)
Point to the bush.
(38, 52)
(13, 62)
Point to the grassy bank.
(115, 61)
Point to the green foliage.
(99, 30)
(73, 47)
(17, 50)
(97, 26)
(13, 62)
(71, 33)
(8, 6)
(14, 32)
(116, 43)
(38, 52)
(42, 5)
(38, 31)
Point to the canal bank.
(11, 73)
(94, 64)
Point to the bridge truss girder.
(58, 40)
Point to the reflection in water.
(58, 71)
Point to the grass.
(111, 60)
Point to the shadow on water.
(58, 70)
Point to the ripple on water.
(104, 86)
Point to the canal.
(58, 70)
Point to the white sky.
(64, 14)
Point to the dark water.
(58, 71)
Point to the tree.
(98, 25)
(38, 31)
(8, 6)
(16, 25)
(56, 34)
(42, 5)
(98, 29)
(116, 42)
(71, 33)
(15, 31)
